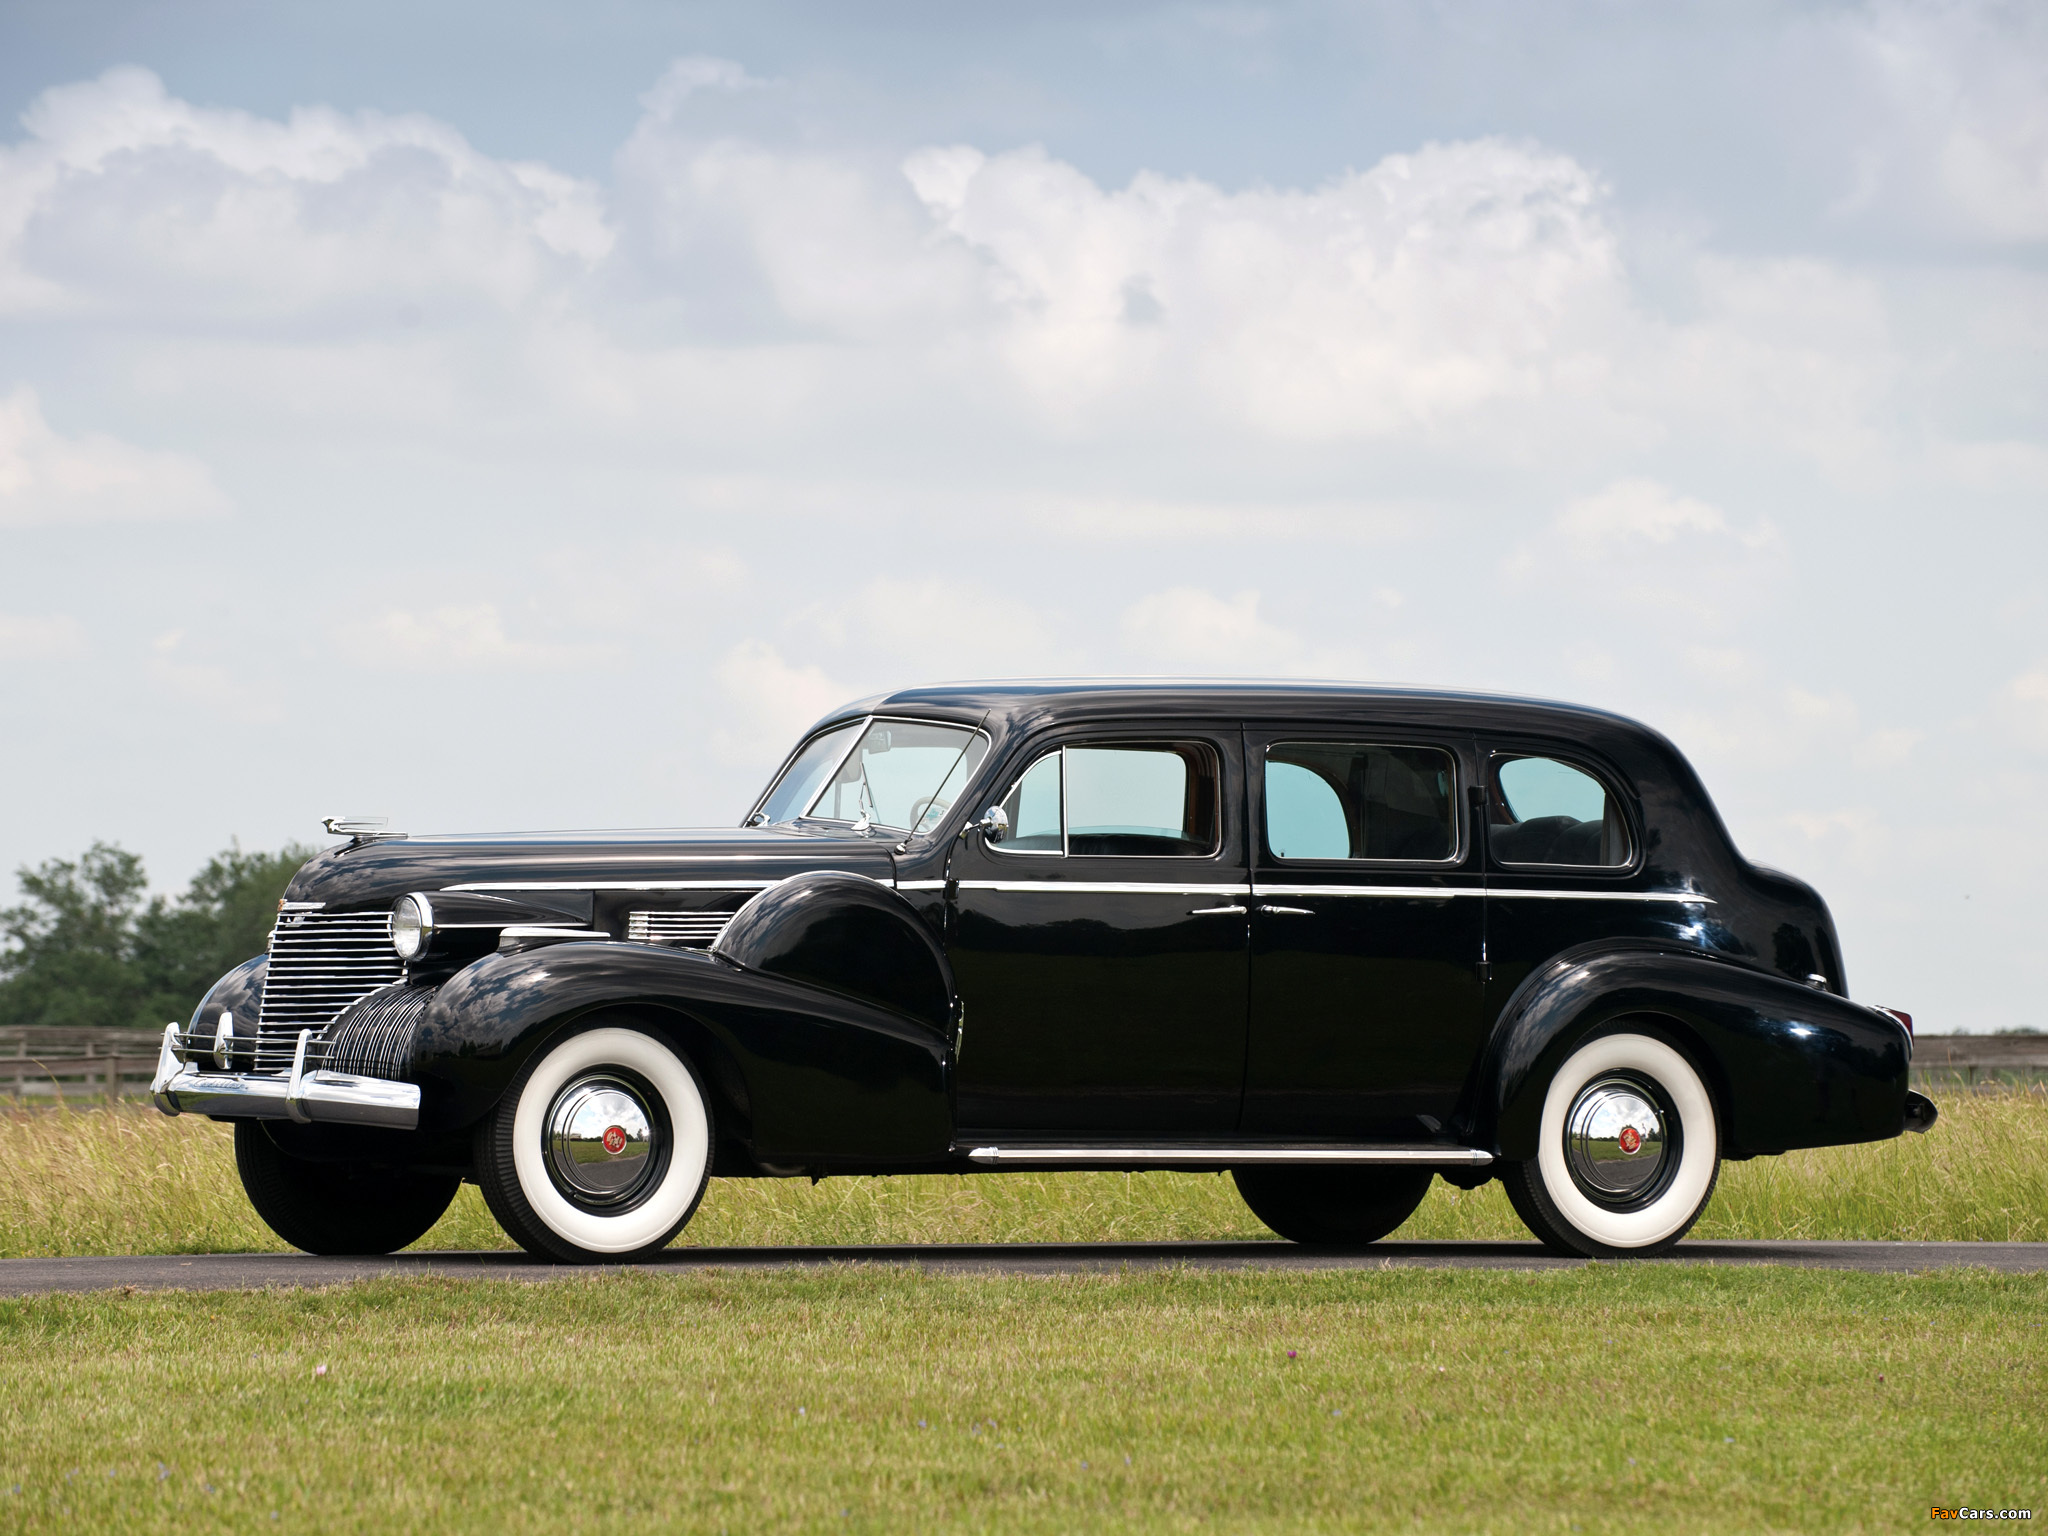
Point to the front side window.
(1135, 800)
(900, 774)
(1549, 812)
(1343, 800)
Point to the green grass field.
(124, 1179)
(1611, 1399)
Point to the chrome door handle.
(1287, 911)
(1216, 911)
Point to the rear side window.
(1135, 799)
(1548, 812)
(1343, 800)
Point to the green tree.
(84, 948)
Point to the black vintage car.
(1336, 939)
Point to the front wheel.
(1626, 1155)
(1340, 1205)
(600, 1149)
(338, 1207)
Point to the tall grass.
(120, 1178)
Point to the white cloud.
(46, 477)
(1638, 545)
(457, 638)
(1397, 298)
(2026, 700)
(1967, 142)
(1638, 509)
(768, 701)
(696, 74)
(26, 638)
(1193, 629)
(125, 199)
(937, 625)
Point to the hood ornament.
(359, 829)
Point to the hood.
(379, 872)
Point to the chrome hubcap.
(601, 1141)
(1615, 1140)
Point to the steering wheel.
(919, 807)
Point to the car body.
(1335, 938)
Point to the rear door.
(1368, 916)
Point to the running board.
(1226, 1157)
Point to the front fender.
(240, 993)
(801, 1072)
(1788, 1066)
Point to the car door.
(1368, 917)
(1567, 865)
(1100, 947)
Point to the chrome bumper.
(329, 1098)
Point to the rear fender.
(1788, 1066)
(805, 1072)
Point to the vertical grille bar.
(320, 963)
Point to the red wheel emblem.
(1630, 1138)
(615, 1139)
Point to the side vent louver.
(695, 930)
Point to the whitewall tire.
(600, 1149)
(1627, 1153)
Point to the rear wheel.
(600, 1149)
(1627, 1152)
(1332, 1205)
(338, 1207)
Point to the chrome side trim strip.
(1689, 898)
(1209, 1157)
(1108, 887)
(653, 885)
(1399, 892)
(1445, 893)
(615, 885)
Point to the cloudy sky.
(532, 415)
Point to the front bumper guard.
(318, 1096)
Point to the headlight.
(412, 926)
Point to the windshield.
(901, 774)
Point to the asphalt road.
(245, 1271)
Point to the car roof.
(1022, 702)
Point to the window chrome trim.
(1461, 847)
(859, 736)
(793, 754)
(1066, 851)
(1060, 852)
(1599, 776)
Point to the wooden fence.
(1979, 1061)
(77, 1063)
(48, 1064)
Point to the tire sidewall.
(1664, 1220)
(660, 1214)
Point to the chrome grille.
(320, 963)
(375, 1036)
(698, 930)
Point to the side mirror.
(993, 824)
